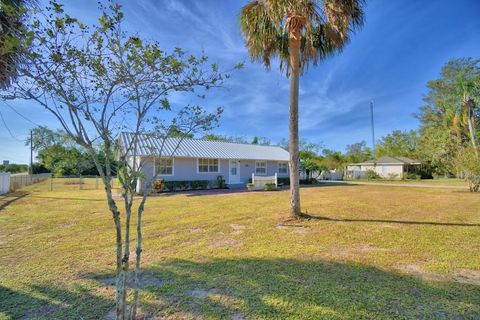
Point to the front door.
(234, 172)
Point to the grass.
(371, 252)
(440, 182)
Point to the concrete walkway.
(392, 184)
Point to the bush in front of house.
(308, 181)
(413, 176)
(270, 187)
(372, 175)
(161, 185)
(221, 183)
(393, 176)
(181, 185)
(158, 186)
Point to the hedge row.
(184, 185)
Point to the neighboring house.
(194, 159)
(385, 167)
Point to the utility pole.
(31, 154)
(373, 130)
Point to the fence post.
(96, 182)
(276, 183)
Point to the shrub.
(468, 162)
(221, 183)
(199, 184)
(270, 187)
(308, 181)
(372, 175)
(425, 173)
(181, 185)
(158, 186)
(412, 176)
(283, 181)
(392, 176)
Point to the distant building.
(385, 167)
(6, 162)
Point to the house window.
(282, 168)
(208, 165)
(260, 167)
(164, 166)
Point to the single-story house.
(180, 159)
(385, 167)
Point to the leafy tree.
(331, 159)
(61, 160)
(358, 152)
(398, 143)
(264, 141)
(43, 137)
(312, 165)
(98, 81)
(12, 16)
(14, 168)
(468, 163)
(216, 137)
(176, 132)
(449, 119)
(298, 32)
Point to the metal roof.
(196, 148)
(389, 160)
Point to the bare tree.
(100, 81)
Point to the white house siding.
(386, 170)
(247, 167)
(383, 170)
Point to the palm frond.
(326, 27)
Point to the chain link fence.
(72, 183)
(21, 180)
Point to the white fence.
(4, 182)
(356, 174)
(331, 175)
(24, 179)
(259, 182)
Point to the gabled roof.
(196, 148)
(389, 160)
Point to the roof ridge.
(207, 140)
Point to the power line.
(8, 129)
(21, 115)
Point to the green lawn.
(441, 182)
(372, 253)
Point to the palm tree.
(12, 15)
(298, 32)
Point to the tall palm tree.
(12, 15)
(298, 32)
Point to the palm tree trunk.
(471, 124)
(293, 148)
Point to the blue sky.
(402, 45)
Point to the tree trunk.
(471, 123)
(136, 276)
(293, 148)
(121, 292)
